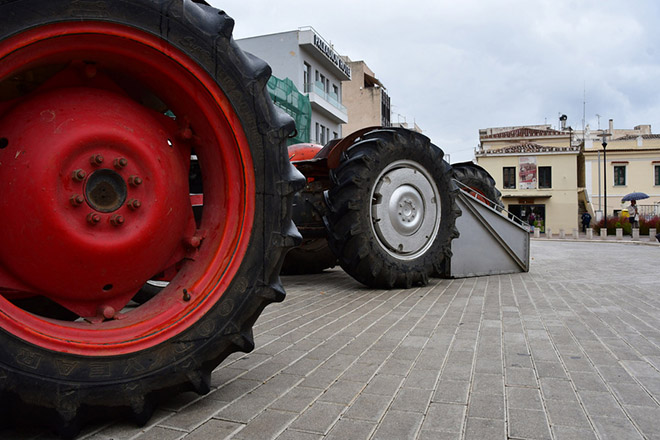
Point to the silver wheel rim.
(405, 209)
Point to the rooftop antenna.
(598, 116)
(584, 105)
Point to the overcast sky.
(454, 67)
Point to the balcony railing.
(332, 98)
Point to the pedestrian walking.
(586, 221)
(633, 214)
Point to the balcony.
(326, 103)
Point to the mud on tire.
(62, 372)
(392, 211)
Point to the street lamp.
(604, 135)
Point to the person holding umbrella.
(634, 214)
(632, 209)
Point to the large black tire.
(42, 385)
(392, 211)
(478, 181)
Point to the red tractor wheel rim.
(219, 141)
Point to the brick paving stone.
(351, 429)
(528, 424)
(521, 377)
(567, 413)
(297, 399)
(646, 419)
(609, 428)
(398, 425)
(524, 398)
(557, 389)
(319, 417)
(370, 407)
(444, 417)
(488, 384)
(452, 391)
(561, 432)
(268, 424)
(588, 381)
(215, 429)
(480, 429)
(411, 399)
(486, 406)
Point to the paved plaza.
(570, 350)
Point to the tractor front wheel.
(392, 212)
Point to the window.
(318, 134)
(656, 175)
(307, 76)
(619, 175)
(509, 177)
(545, 177)
(322, 139)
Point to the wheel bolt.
(96, 160)
(79, 175)
(108, 312)
(120, 163)
(134, 204)
(93, 218)
(134, 180)
(76, 200)
(193, 242)
(116, 220)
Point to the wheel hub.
(92, 230)
(105, 190)
(405, 212)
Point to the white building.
(315, 68)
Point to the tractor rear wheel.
(392, 212)
(478, 182)
(102, 105)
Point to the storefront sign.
(332, 55)
(527, 177)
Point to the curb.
(595, 240)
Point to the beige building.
(558, 174)
(537, 169)
(365, 98)
(633, 165)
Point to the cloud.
(455, 67)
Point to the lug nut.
(108, 312)
(96, 160)
(134, 204)
(79, 175)
(93, 218)
(134, 180)
(193, 242)
(76, 200)
(116, 220)
(120, 163)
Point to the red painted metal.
(91, 109)
(298, 152)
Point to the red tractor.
(129, 270)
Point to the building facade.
(559, 174)
(633, 165)
(315, 69)
(537, 170)
(366, 99)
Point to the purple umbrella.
(634, 196)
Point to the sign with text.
(527, 177)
